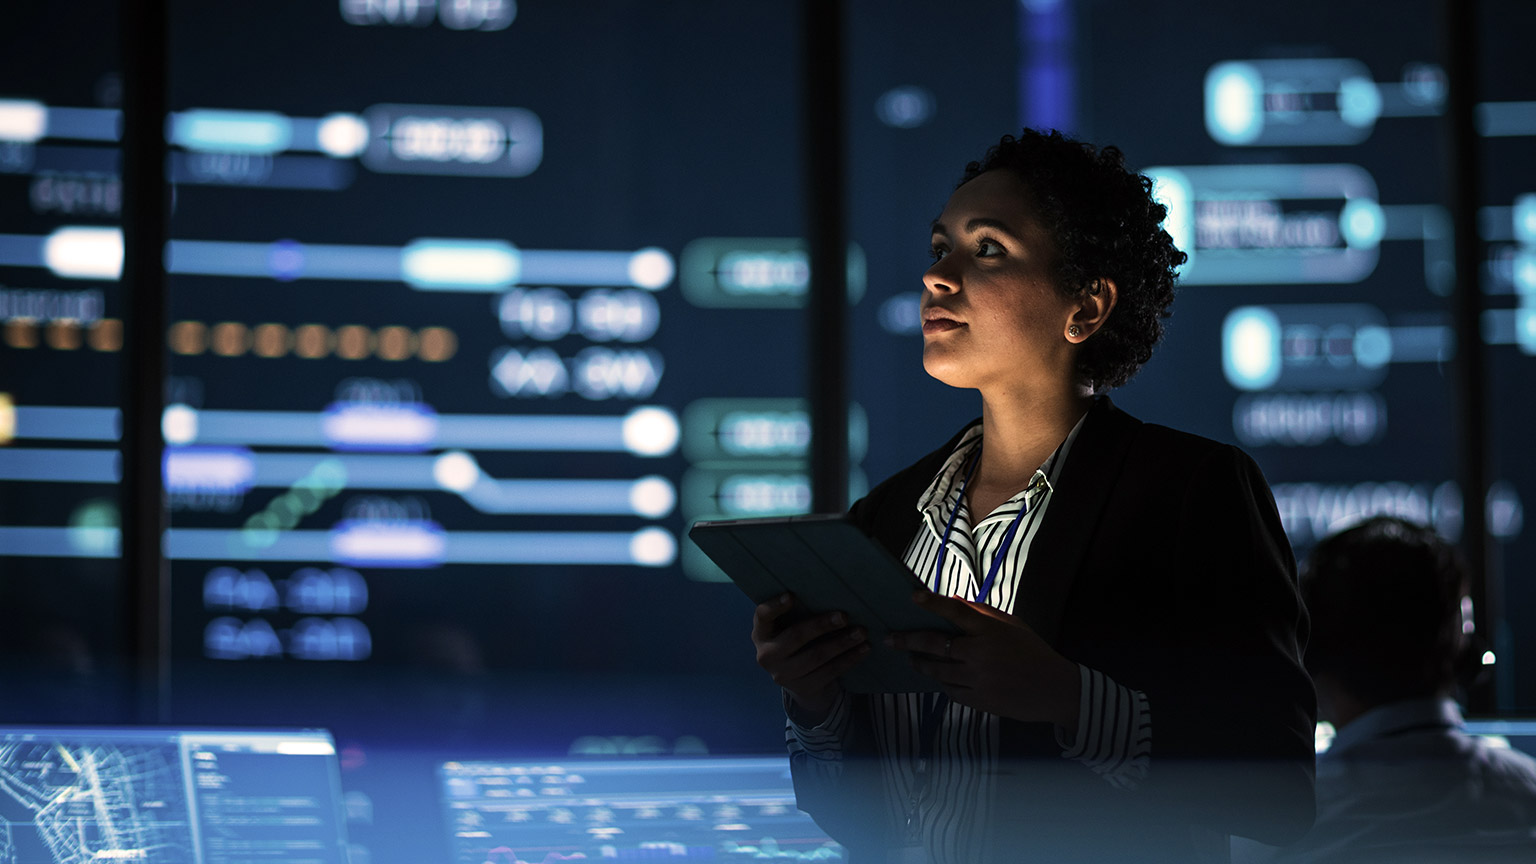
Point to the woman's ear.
(1093, 308)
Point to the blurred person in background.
(1391, 641)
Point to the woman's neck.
(1020, 431)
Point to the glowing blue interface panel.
(475, 305)
(1305, 175)
(646, 810)
(61, 345)
(69, 796)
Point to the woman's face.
(993, 317)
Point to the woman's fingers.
(794, 638)
(807, 656)
(824, 675)
(765, 616)
(812, 659)
(938, 645)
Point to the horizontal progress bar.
(67, 423)
(644, 431)
(426, 264)
(648, 547)
(237, 471)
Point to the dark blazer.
(1161, 563)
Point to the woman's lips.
(940, 325)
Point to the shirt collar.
(943, 494)
(1395, 717)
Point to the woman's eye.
(937, 252)
(988, 248)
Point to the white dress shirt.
(953, 796)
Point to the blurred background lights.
(1525, 272)
(653, 547)
(342, 135)
(1373, 346)
(1362, 223)
(1250, 339)
(1234, 103)
(1359, 101)
(178, 424)
(254, 132)
(1172, 189)
(22, 121)
(455, 471)
(93, 528)
(651, 268)
(85, 253)
(429, 263)
(905, 107)
(652, 497)
(1525, 219)
(651, 431)
(1525, 329)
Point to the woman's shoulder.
(1177, 458)
(1180, 444)
(1170, 445)
(1179, 448)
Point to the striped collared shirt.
(1113, 737)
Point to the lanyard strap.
(927, 735)
(938, 567)
(1002, 552)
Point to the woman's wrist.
(1067, 696)
(809, 714)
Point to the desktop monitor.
(161, 796)
(635, 810)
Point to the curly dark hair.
(1105, 225)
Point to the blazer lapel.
(1085, 486)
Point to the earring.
(1074, 331)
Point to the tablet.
(829, 565)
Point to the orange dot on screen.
(188, 337)
(437, 344)
(106, 335)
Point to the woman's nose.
(938, 278)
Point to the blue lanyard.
(928, 729)
(1002, 552)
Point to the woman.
(1125, 594)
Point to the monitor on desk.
(640, 809)
(167, 796)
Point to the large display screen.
(1303, 163)
(61, 337)
(477, 304)
(475, 307)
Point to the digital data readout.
(74, 795)
(436, 337)
(459, 347)
(1304, 178)
(61, 339)
(649, 809)
(473, 308)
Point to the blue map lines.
(90, 802)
